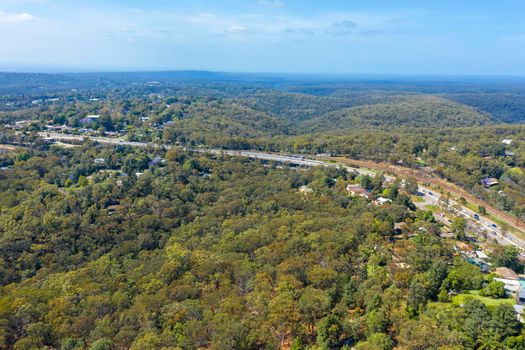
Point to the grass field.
(417, 199)
(490, 302)
(432, 207)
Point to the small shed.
(489, 182)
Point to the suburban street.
(428, 195)
(493, 231)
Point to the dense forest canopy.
(161, 247)
(221, 253)
(454, 128)
(416, 111)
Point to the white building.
(382, 200)
(511, 286)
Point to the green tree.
(417, 298)
(329, 331)
(515, 343)
(313, 303)
(377, 183)
(82, 181)
(507, 256)
(504, 321)
(490, 341)
(283, 313)
(411, 186)
(477, 318)
(376, 321)
(380, 341)
(101, 344)
(482, 210)
(297, 344)
(147, 341)
(494, 289)
(366, 182)
(459, 224)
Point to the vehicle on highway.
(494, 225)
(476, 216)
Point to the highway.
(297, 160)
(102, 140)
(492, 230)
(429, 195)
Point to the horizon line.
(58, 71)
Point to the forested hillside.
(164, 246)
(213, 121)
(415, 111)
(197, 252)
(505, 107)
(298, 108)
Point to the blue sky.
(467, 37)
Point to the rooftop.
(506, 273)
(489, 181)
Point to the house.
(382, 200)
(305, 190)
(506, 273)
(113, 208)
(481, 255)
(99, 161)
(399, 261)
(463, 247)
(509, 278)
(57, 127)
(356, 190)
(520, 297)
(22, 124)
(48, 140)
(520, 309)
(472, 258)
(156, 161)
(489, 182)
(511, 286)
(89, 119)
(509, 153)
(506, 141)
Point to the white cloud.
(236, 29)
(169, 28)
(16, 17)
(271, 3)
(344, 27)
